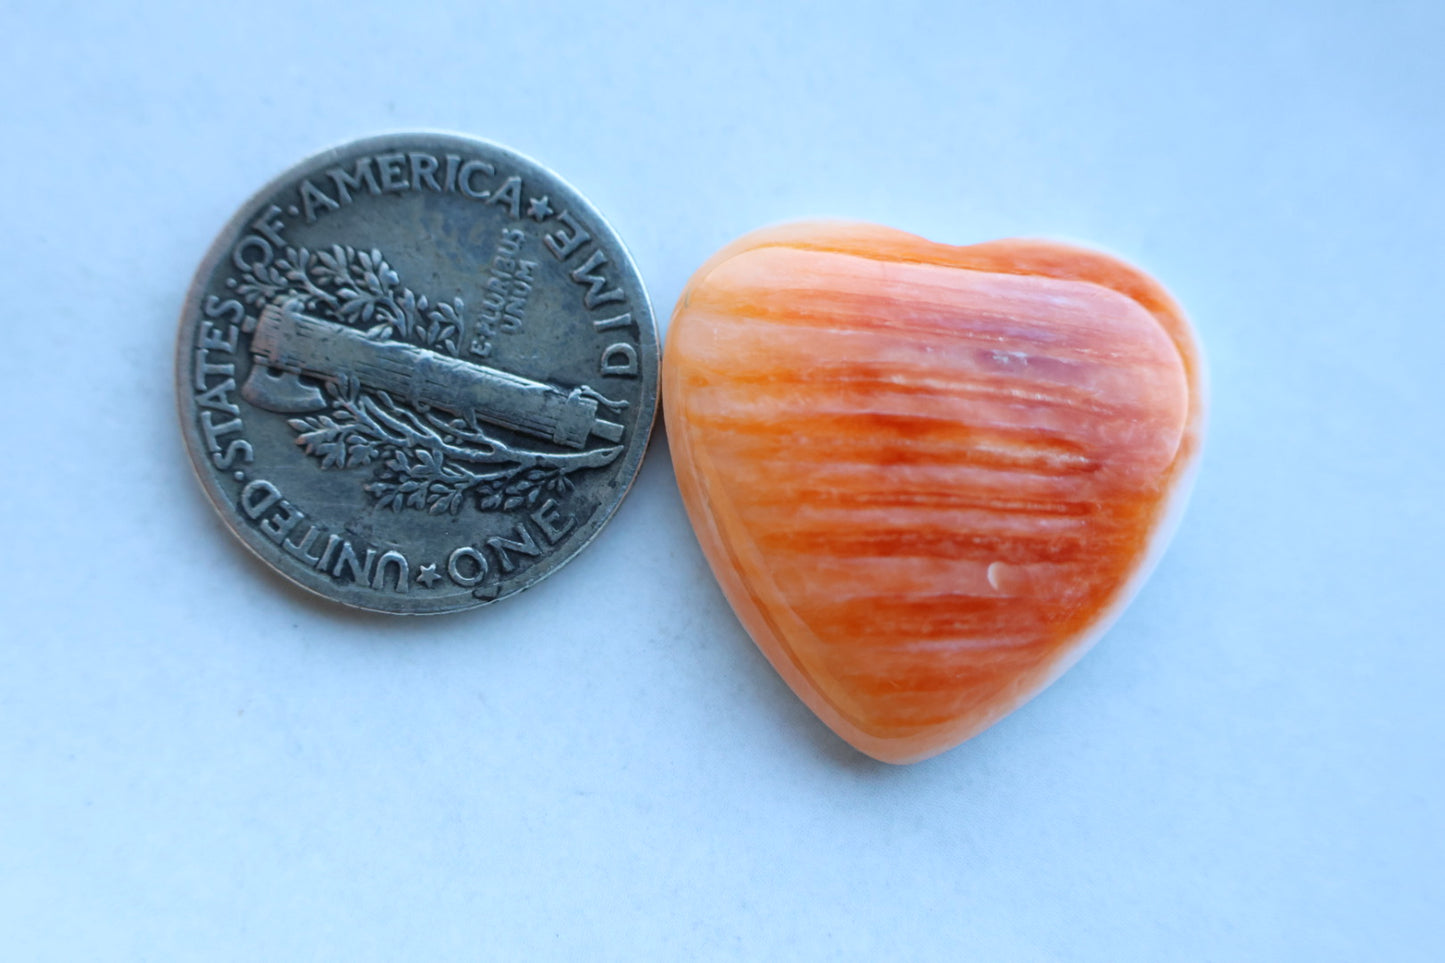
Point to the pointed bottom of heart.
(927, 477)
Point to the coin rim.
(236, 225)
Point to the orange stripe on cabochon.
(927, 477)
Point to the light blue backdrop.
(198, 763)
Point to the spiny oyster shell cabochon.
(927, 477)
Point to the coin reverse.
(417, 373)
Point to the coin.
(417, 373)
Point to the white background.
(199, 762)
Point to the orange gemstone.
(928, 477)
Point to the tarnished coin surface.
(417, 373)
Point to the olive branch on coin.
(357, 287)
(425, 461)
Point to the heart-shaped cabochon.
(927, 477)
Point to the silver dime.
(417, 373)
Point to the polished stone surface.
(927, 477)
